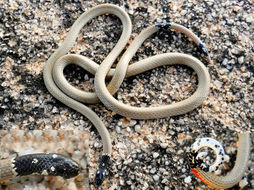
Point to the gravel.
(30, 31)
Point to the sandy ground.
(147, 154)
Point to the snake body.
(231, 178)
(63, 91)
(40, 164)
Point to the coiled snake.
(205, 172)
(58, 86)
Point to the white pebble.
(137, 128)
(96, 144)
(131, 12)
(153, 170)
(218, 84)
(132, 123)
(243, 183)
(225, 61)
(183, 12)
(241, 60)
(155, 155)
(54, 110)
(120, 146)
(181, 121)
(164, 145)
(187, 179)
(249, 19)
(118, 129)
(159, 20)
(86, 77)
(156, 177)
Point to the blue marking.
(203, 49)
(163, 26)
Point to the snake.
(50, 164)
(205, 172)
(76, 99)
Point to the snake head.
(101, 172)
(100, 176)
(194, 161)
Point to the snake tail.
(235, 175)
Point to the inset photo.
(43, 160)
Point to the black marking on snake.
(203, 49)
(163, 26)
(101, 172)
(45, 164)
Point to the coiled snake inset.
(204, 172)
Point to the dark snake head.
(195, 162)
(101, 172)
(100, 176)
(192, 159)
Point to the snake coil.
(205, 172)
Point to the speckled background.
(148, 154)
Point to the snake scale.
(74, 98)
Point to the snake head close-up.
(195, 162)
(100, 176)
(192, 159)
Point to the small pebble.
(137, 128)
(225, 62)
(183, 12)
(164, 145)
(153, 170)
(240, 60)
(187, 179)
(156, 155)
(243, 183)
(156, 177)
(132, 123)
